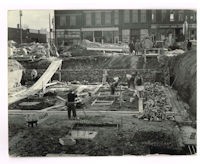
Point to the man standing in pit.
(139, 84)
(189, 45)
(71, 104)
(114, 85)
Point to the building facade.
(112, 26)
(28, 35)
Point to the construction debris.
(156, 103)
(104, 46)
(175, 52)
(32, 50)
(67, 140)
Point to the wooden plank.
(190, 149)
(140, 105)
(44, 79)
(105, 49)
(50, 84)
(103, 103)
(193, 149)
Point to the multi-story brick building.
(112, 26)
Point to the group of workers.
(134, 81)
(135, 47)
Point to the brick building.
(28, 35)
(111, 26)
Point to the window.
(163, 15)
(60, 34)
(153, 16)
(180, 16)
(98, 18)
(126, 16)
(143, 16)
(125, 35)
(193, 17)
(116, 17)
(63, 20)
(171, 18)
(72, 20)
(135, 16)
(108, 17)
(88, 17)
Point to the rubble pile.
(89, 44)
(156, 102)
(14, 65)
(175, 52)
(34, 50)
(15, 70)
(86, 43)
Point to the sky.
(34, 19)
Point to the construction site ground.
(127, 134)
(130, 136)
(119, 130)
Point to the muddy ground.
(132, 137)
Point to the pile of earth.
(101, 62)
(183, 69)
(14, 65)
(15, 70)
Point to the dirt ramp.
(101, 62)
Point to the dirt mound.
(14, 65)
(40, 64)
(101, 62)
(184, 72)
(77, 50)
(15, 70)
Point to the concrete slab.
(67, 140)
(82, 134)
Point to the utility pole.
(20, 24)
(50, 28)
(185, 28)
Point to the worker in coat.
(139, 84)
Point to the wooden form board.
(43, 80)
(102, 94)
(101, 103)
(140, 105)
(105, 49)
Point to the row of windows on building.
(126, 17)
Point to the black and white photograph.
(102, 82)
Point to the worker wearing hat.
(71, 107)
